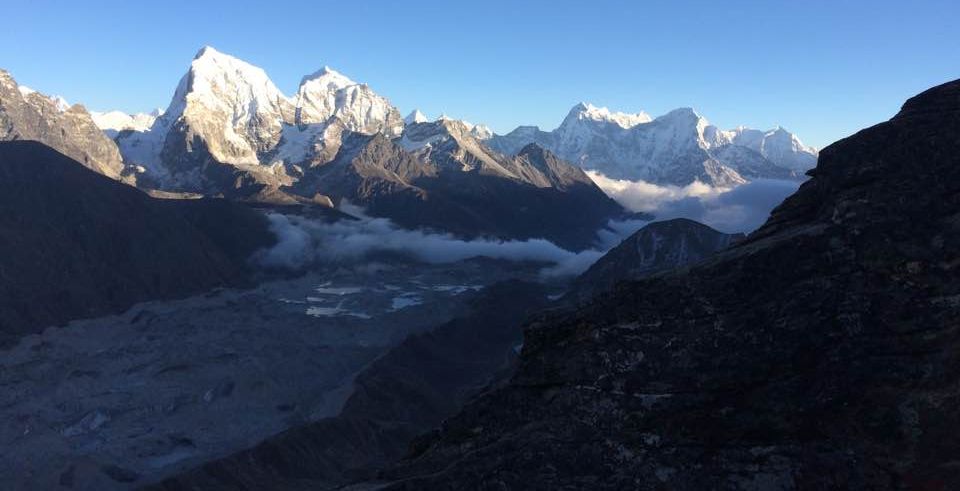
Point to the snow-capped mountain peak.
(680, 114)
(326, 79)
(416, 116)
(113, 122)
(587, 111)
(328, 93)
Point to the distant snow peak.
(326, 79)
(416, 116)
(590, 112)
(112, 122)
(676, 148)
(327, 93)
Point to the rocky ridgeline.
(29, 115)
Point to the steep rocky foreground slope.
(820, 353)
(76, 244)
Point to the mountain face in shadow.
(77, 244)
(819, 353)
(657, 247)
(438, 176)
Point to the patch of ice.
(324, 289)
(335, 312)
(455, 289)
(405, 300)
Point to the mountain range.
(229, 131)
(677, 148)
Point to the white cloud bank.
(303, 241)
(731, 210)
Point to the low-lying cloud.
(304, 241)
(740, 209)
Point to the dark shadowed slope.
(823, 352)
(657, 247)
(406, 392)
(76, 244)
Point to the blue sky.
(822, 69)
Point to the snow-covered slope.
(677, 148)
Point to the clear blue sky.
(820, 68)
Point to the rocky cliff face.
(29, 115)
(76, 244)
(819, 353)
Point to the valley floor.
(120, 401)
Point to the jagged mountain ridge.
(677, 148)
(28, 115)
(837, 372)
